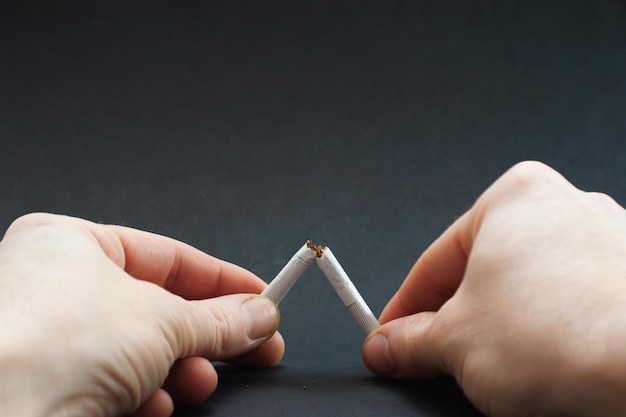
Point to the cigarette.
(346, 290)
(290, 273)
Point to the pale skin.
(97, 320)
(522, 300)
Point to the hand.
(522, 300)
(96, 320)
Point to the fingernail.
(376, 355)
(262, 317)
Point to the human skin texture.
(522, 299)
(101, 320)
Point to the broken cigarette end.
(318, 249)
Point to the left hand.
(521, 299)
(97, 320)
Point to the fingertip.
(403, 348)
(376, 355)
(262, 317)
(225, 327)
(159, 404)
(268, 355)
(191, 380)
(393, 310)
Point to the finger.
(404, 348)
(176, 266)
(191, 380)
(437, 274)
(267, 355)
(159, 404)
(224, 327)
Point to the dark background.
(245, 128)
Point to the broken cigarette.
(346, 290)
(330, 266)
(290, 273)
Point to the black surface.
(245, 128)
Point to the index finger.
(437, 274)
(173, 265)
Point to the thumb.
(227, 326)
(404, 348)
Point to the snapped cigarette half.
(290, 273)
(346, 290)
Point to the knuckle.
(529, 174)
(603, 199)
(525, 181)
(223, 331)
(32, 220)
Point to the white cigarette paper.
(346, 290)
(290, 273)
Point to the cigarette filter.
(346, 290)
(290, 273)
